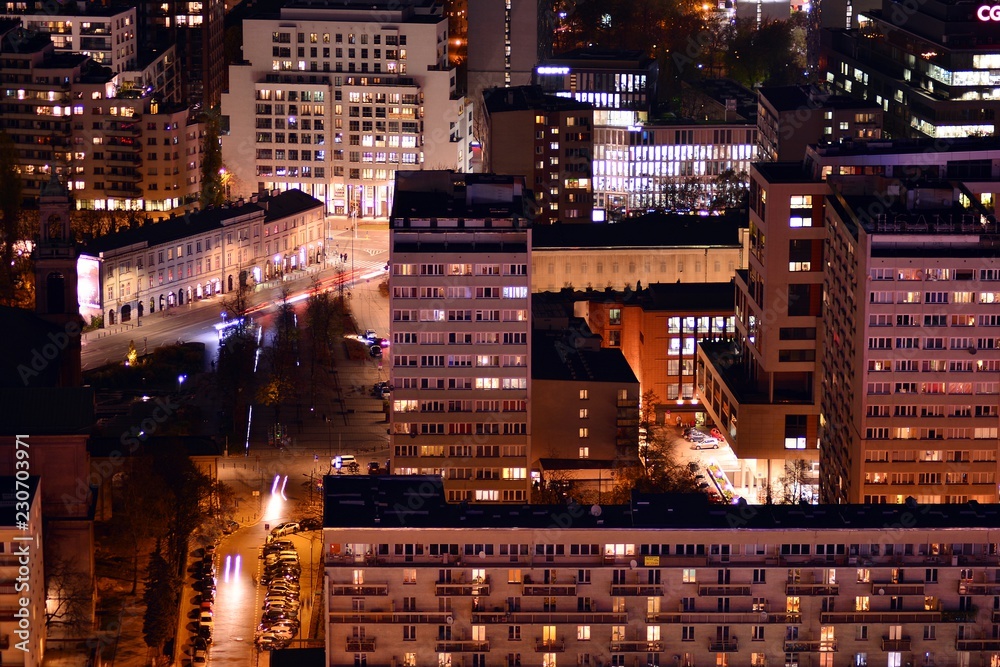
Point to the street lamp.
(180, 381)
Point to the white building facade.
(108, 36)
(343, 98)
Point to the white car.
(285, 529)
(206, 620)
(706, 443)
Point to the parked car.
(375, 351)
(277, 545)
(283, 529)
(370, 334)
(311, 524)
(716, 433)
(696, 435)
(230, 527)
(205, 633)
(206, 619)
(344, 460)
(373, 468)
(706, 443)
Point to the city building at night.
(932, 67)
(585, 405)
(792, 118)
(663, 580)
(188, 258)
(912, 368)
(549, 140)
(107, 35)
(27, 584)
(341, 99)
(460, 325)
(655, 248)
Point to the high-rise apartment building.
(199, 33)
(503, 46)
(912, 374)
(460, 324)
(335, 100)
(931, 66)
(670, 581)
(762, 390)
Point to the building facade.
(657, 582)
(547, 139)
(932, 68)
(343, 98)
(460, 324)
(791, 118)
(21, 533)
(108, 36)
(763, 389)
(658, 248)
(911, 382)
(187, 258)
(503, 43)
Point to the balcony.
(363, 589)
(901, 644)
(882, 588)
(636, 646)
(723, 617)
(809, 646)
(550, 645)
(896, 617)
(645, 590)
(360, 645)
(722, 590)
(121, 191)
(461, 646)
(437, 618)
(549, 618)
(461, 589)
(549, 590)
(977, 644)
(811, 589)
(969, 588)
(724, 646)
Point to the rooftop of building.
(784, 172)
(58, 10)
(552, 464)
(174, 228)
(556, 355)
(681, 297)
(907, 147)
(447, 194)
(70, 60)
(10, 497)
(408, 11)
(47, 410)
(403, 501)
(524, 98)
(721, 92)
(598, 58)
(653, 230)
(793, 98)
(19, 41)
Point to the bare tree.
(70, 595)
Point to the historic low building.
(195, 256)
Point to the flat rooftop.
(405, 501)
(553, 358)
(442, 194)
(654, 230)
(784, 172)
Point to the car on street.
(370, 334)
(311, 524)
(344, 460)
(277, 545)
(375, 351)
(206, 619)
(230, 527)
(716, 433)
(283, 529)
(269, 641)
(205, 633)
(706, 443)
(373, 468)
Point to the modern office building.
(547, 139)
(21, 530)
(608, 79)
(460, 324)
(156, 71)
(342, 98)
(911, 388)
(658, 327)
(107, 35)
(791, 118)
(930, 66)
(195, 256)
(663, 580)
(656, 248)
(763, 389)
